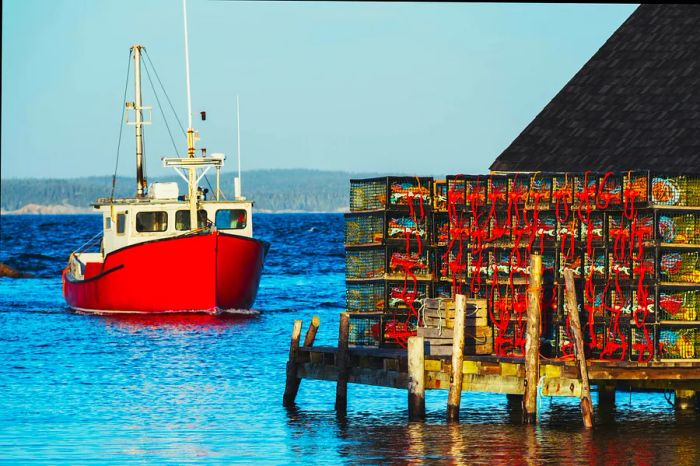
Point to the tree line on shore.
(272, 190)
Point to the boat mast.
(138, 111)
(192, 182)
(237, 184)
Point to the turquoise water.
(77, 388)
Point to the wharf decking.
(386, 367)
(416, 370)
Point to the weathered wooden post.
(455, 395)
(341, 362)
(292, 385)
(293, 381)
(311, 332)
(416, 378)
(532, 339)
(572, 306)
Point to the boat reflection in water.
(180, 320)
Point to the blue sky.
(392, 87)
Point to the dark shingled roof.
(634, 105)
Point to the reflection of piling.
(606, 396)
(572, 306)
(685, 399)
(455, 395)
(532, 342)
(341, 362)
(416, 378)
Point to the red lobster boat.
(163, 252)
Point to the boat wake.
(237, 312)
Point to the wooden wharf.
(386, 367)
(414, 370)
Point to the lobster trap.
(366, 296)
(562, 193)
(642, 345)
(365, 263)
(679, 305)
(401, 192)
(465, 192)
(407, 294)
(610, 191)
(498, 191)
(679, 266)
(509, 338)
(679, 343)
(441, 229)
(679, 228)
(585, 191)
(595, 264)
(453, 264)
(365, 329)
(412, 264)
(518, 189)
(540, 193)
(363, 229)
(593, 228)
(593, 340)
(636, 189)
(440, 196)
(631, 306)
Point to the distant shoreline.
(49, 209)
(66, 209)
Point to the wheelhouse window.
(108, 223)
(121, 223)
(182, 219)
(149, 222)
(231, 219)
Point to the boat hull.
(208, 272)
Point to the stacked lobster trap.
(631, 239)
(389, 261)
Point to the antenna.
(187, 66)
(237, 181)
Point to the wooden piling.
(292, 386)
(341, 361)
(532, 341)
(311, 332)
(684, 399)
(416, 378)
(454, 397)
(293, 381)
(572, 306)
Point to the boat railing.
(92, 242)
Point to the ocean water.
(77, 388)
